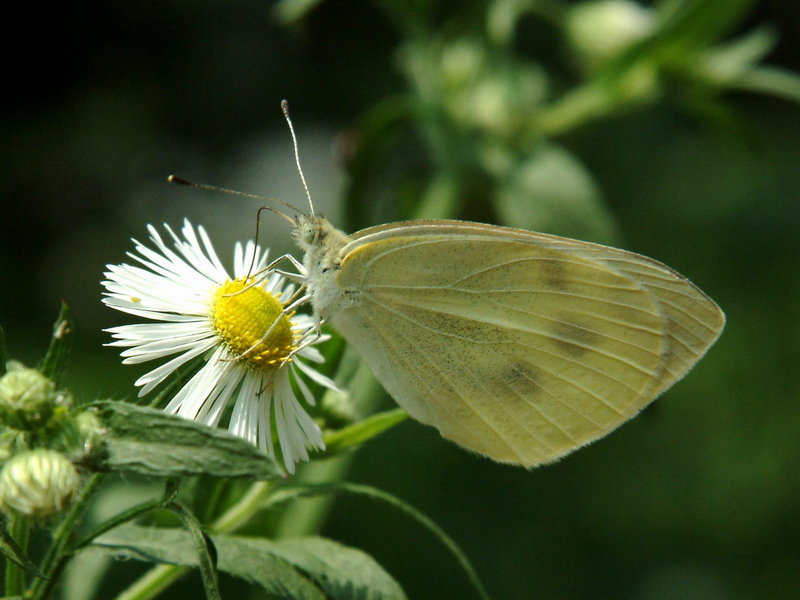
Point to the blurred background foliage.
(671, 129)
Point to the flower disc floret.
(253, 325)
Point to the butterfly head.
(322, 244)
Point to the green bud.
(79, 435)
(337, 410)
(37, 483)
(27, 398)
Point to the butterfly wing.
(519, 346)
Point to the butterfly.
(517, 345)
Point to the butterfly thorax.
(322, 244)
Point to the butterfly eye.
(308, 233)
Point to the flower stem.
(307, 515)
(241, 512)
(153, 582)
(58, 553)
(19, 530)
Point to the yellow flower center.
(252, 324)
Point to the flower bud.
(79, 435)
(603, 28)
(37, 483)
(27, 398)
(337, 410)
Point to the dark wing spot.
(554, 274)
(574, 338)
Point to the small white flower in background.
(254, 348)
(601, 29)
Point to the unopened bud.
(601, 29)
(27, 398)
(37, 483)
(79, 436)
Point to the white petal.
(316, 376)
(150, 380)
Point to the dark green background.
(698, 498)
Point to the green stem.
(153, 582)
(580, 106)
(115, 521)
(58, 553)
(241, 512)
(20, 531)
(307, 516)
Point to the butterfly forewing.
(519, 346)
(693, 320)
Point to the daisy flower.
(256, 349)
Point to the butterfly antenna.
(285, 109)
(216, 188)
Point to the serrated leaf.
(148, 442)
(287, 494)
(343, 573)
(175, 547)
(309, 568)
(55, 360)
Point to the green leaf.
(12, 552)
(727, 62)
(343, 573)
(170, 492)
(366, 429)
(308, 568)
(291, 11)
(684, 28)
(148, 442)
(771, 80)
(173, 546)
(55, 360)
(367, 168)
(699, 22)
(287, 494)
(552, 191)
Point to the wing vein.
(515, 327)
(411, 368)
(553, 374)
(509, 291)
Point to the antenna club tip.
(178, 180)
(285, 106)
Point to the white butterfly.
(517, 345)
